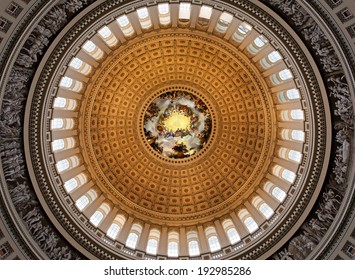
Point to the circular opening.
(177, 124)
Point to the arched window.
(289, 154)
(132, 240)
(62, 165)
(279, 194)
(153, 241)
(185, 11)
(96, 218)
(248, 220)
(258, 43)
(294, 155)
(275, 191)
(266, 210)
(59, 123)
(284, 173)
(230, 230)
(125, 26)
(281, 76)
(93, 50)
(193, 243)
(295, 135)
(75, 182)
(80, 66)
(204, 16)
(133, 236)
(212, 239)
(194, 249)
(241, 32)
(298, 135)
(82, 202)
(64, 103)
(288, 175)
(144, 18)
(116, 226)
(108, 37)
(58, 145)
(66, 164)
(100, 214)
(223, 23)
(263, 208)
(270, 59)
(164, 14)
(297, 114)
(173, 244)
(71, 84)
(86, 199)
(289, 95)
(63, 144)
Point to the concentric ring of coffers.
(232, 230)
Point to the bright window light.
(113, 231)
(58, 144)
(288, 175)
(152, 246)
(251, 224)
(143, 13)
(163, 8)
(132, 240)
(66, 82)
(194, 249)
(60, 102)
(205, 12)
(57, 123)
(214, 244)
(279, 194)
(185, 11)
(293, 93)
(298, 135)
(233, 235)
(274, 56)
(244, 28)
(76, 63)
(70, 185)
(173, 249)
(260, 41)
(285, 74)
(82, 202)
(89, 46)
(105, 32)
(123, 21)
(266, 210)
(297, 114)
(96, 218)
(62, 165)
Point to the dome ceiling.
(154, 126)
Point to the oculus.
(177, 124)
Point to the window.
(194, 249)
(76, 63)
(133, 236)
(106, 34)
(153, 240)
(293, 94)
(241, 32)
(279, 194)
(257, 44)
(173, 244)
(288, 175)
(123, 21)
(247, 220)
(113, 231)
(230, 230)
(93, 50)
(295, 155)
(193, 244)
(274, 56)
(152, 246)
(59, 102)
(214, 244)
(116, 226)
(205, 12)
(96, 218)
(223, 22)
(82, 202)
(69, 84)
(144, 19)
(233, 235)
(266, 210)
(164, 14)
(173, 249)
(58, 123)
(251, 224)
(58, 145)
(132, 240)
(260, 41)
(125, 26)
(66, 82)
(297, 114)
(185, 11)
(62, 165)
(285, 74)
(70, 185)
(298, 135)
